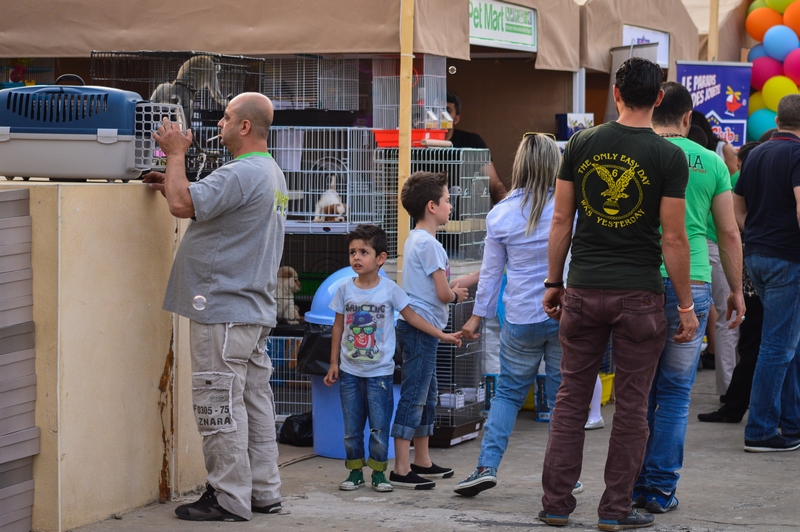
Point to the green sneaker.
(379, 482)
(354, 481)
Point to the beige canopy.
(73, 28)
(602, 22)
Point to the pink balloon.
(763, 69)
(791, 66)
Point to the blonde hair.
(534, 172)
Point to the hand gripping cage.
(82, 133)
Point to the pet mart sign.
(501, 25)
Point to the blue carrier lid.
(68, 110)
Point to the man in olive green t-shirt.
(623, 181)
(708, 190)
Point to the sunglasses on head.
(531, 133)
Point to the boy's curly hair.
(374, 236)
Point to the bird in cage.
(288, 286)
(330, 207)
(197, 73)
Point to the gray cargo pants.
(235, 413)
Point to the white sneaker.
(578, 488)
(597, 424)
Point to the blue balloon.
(779, 41)
(756, 52)
(759, 123)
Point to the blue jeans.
(775, 396)
(362, 398)
(521, 350)
(416, 410)
(668, 404)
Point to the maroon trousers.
(640, 330)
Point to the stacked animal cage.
(462, 391)
(20, 72)
(311, 82)
(291, 390)
(428, 92)
(330, 176)
(468, 181)
(202, 83)
(307, 259)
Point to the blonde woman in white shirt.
(517, 231)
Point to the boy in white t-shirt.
(426, 273)
(364, 335)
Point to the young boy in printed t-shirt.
(426, 273)
(363, 334)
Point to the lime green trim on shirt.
(254, 154)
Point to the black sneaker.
(274, 508)
(553, 520)
(719, 416)
(206, 509)
(411, 481)
(776, 443)
(634, 520)
(434, 471)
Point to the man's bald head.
(257, 109)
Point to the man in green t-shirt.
(668, 409)
(624, 181)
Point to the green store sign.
(502, 25)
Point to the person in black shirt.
(465, 139)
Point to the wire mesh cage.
(428, 91)
(202, 83)
(313, 257)
(468, 180)
(19, 72)
(329, 173)
(462, 391)
(311, 82)
(291, 390)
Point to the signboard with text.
(501, 25)
(721, 91)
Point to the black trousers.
(737, 397)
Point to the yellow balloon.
(756, 103)
(756, 5)
(775, 89)
(779, 5)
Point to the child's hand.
(332, 376)
(462, 291)
(454, 338)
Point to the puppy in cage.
(363, 342)
(288, 286)
(330, 207)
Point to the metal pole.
(404, 121)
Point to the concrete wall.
(113, 388)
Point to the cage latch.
(106, 136)
(5, 133)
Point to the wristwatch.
(559, 284)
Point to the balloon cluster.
(775, 24)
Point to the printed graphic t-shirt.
(708, 177)
(368, 338)
(620, 175)
(423, 256)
